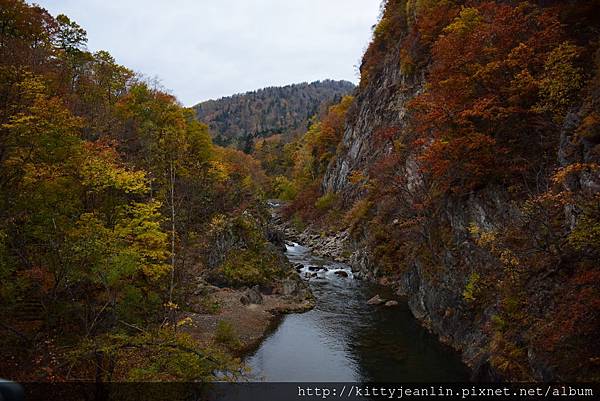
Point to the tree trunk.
(172, 173)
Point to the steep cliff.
(483, 189)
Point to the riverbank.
(238, 319)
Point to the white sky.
(205, 49)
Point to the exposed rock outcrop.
(437, 283)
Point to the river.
(343, 339)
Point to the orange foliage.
(480, 104)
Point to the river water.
(345, 340)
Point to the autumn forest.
(463, 173)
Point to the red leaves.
(478, 110)
(463, 164)
(385, 135)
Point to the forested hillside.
(114, 207)
(466, 174)
(241, 119)
(136, 244)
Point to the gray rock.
(391, 303)
(376, 300)
(251, 296)
(289, 287)
(341, 273)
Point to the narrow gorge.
(435, 220)
(464, 174)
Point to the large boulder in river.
(341, 273)
(251, 296)
(376, 300)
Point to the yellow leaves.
(284, 188)
(140, 224)
(156, 272)
(185, 322)
(483, 238)
(247, 183)
(32, 87)
(113, 255)
(327, 201)
(473, 229)
(219, 170)
(561, 80)
(99, 171)
(509, 259)
(523, 82)
(472, 287)
(218, 222)
(358, 212)
(171, 305)
(468, 19)
(381, 28)
(356, 176)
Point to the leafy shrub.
(358, 212)
(226, 334)
(283, 188)
(210, 305)
(326, 201)
(472, 287)
(251, 267)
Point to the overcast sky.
(205, 49)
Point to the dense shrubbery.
(239, 254)
(107, 185)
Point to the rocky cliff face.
(380, 105)
(438, 304)
(438, 284)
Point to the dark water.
(344, 339)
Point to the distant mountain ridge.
(241, 118)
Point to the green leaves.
(70, 36)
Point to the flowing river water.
(343, 339)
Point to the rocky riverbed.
(250, 312)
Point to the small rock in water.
(341, 273)
(376, 300)
(391, 303)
